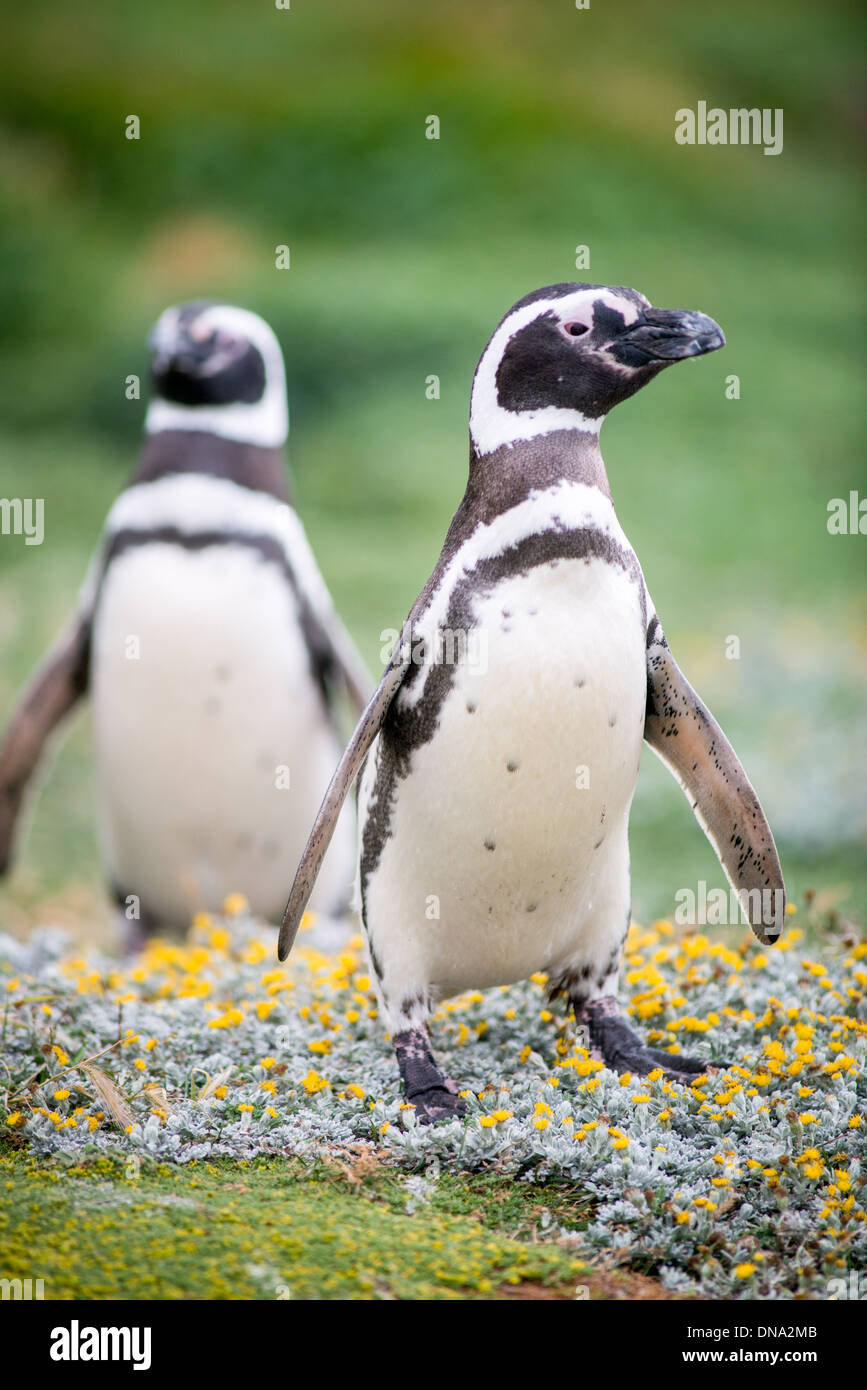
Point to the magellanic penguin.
(501, 749)
(209, 645)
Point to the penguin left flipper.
(349, 661)
(686, 737)
(337, 649)
(58, 684)
(347, 770)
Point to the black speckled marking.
(717, 785)
(408, 727)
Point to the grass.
(279, 1229)
(205, 1058)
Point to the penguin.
(499, 754)
(209, 647)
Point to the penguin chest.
(513, 817)
(213, 746)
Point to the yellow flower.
(362, 982)
(61, 1094)
(384, 1127)
(682, 1217)
(621, 1143)
(246, 1108)
(235, 904)
(150, 1044)
(488, 1121)
(640, 1100)
(230, 1019)
(354, 1090)
(854, 1122)
(267, 1062)
(352, 1015)
(313, 1082)
(500, 1115)
(220, 939)
(665, 1114)
(323, 1046)
(60, 1055)
(264, 1007)
(540, 1122)
(813, 1170)
(13, 1119)
(542, 1108)
(270, 1086)
(807, 1118)
(139, 1063)
(744, 1271)
(545, 1015)
(220, 1092)
(269, 1110)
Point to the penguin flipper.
(348, 768)
(58, 683)
(348, 659)
(686, 737)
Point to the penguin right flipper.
(55, 688)
(684, 734)
(348, 768)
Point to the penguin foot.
(436, 1106)
(424, 1085)
(621, 1049)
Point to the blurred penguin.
(209, 646)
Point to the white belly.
(204, 708)
(508, 845)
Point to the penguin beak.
(185, 356)
(670, 335)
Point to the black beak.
(668, 335)
(184, 356)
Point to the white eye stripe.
(266, 421)
(492, 426)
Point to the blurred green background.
(306, 127)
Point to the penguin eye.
(575, 330)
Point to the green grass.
(279, 1230)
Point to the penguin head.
(217, 368)
(565, 355)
